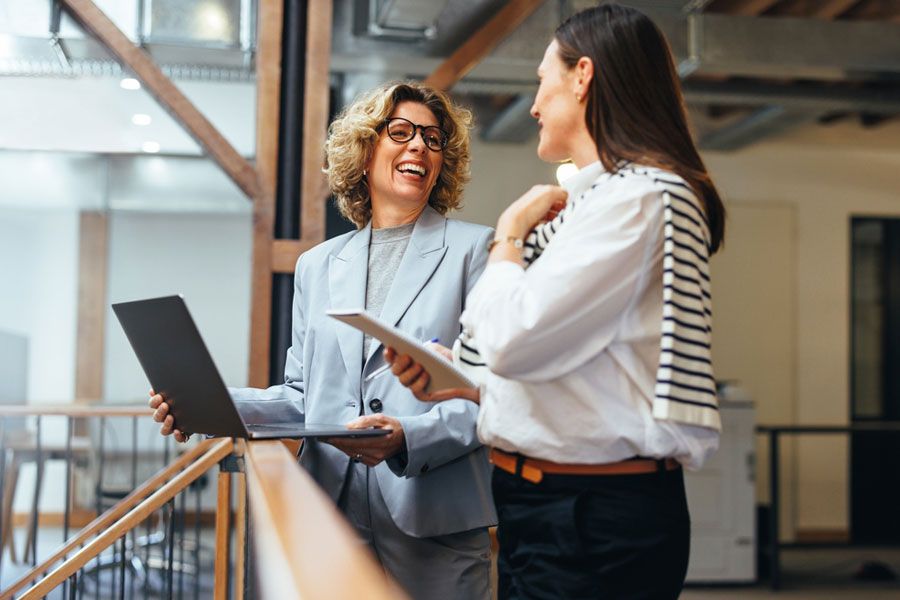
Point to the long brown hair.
(635, 110)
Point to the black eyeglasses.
(402, 130)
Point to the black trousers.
(605, 536)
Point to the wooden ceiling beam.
(166, 93)
(482, 42)
(747, 8)
(822, 9)
(886, 10)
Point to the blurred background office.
(105, 197)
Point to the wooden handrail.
(107, 518)
(218, 450)
(71, 410)
(304, 548)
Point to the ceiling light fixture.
(141, 119)
(130, 83)
(150, 147)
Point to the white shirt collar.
(583, 179)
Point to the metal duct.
(814, 98)
(762, 123)
(514, 125)
(791, 47)
(208, 39)
(401, 19)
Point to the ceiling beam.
(822, 9)
(885, 10)
(746, 8)
(481, 43)
(166, 93)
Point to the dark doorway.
(875, 379)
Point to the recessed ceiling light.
(212, 21)
(151, 147)
(141, 119)
(564, 171)
(130, 83)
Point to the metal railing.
(774, 434)
(98, 443)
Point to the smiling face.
(402, 174)
(559, 112)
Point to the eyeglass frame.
(420, 129)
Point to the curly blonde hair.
(353, 134)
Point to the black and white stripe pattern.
(685, 389)
(685, 386)
(465, 350)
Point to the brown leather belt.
(533, 469)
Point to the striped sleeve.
(685, 385)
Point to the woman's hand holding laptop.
(158, 403)
(373, 450)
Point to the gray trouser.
(456, 566)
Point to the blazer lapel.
(423, 255)
(347, 274)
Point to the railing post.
(3, 491)
(240, 524)
(232, 464)
(774, 512)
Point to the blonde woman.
(397, 161)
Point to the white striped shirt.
(574, 342)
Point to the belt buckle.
(528, 472)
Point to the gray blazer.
(443, 486)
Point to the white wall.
(204, 257)
(754, 324)
(825, 176)
(38, 266)
(500, 174)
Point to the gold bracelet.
(516, 242)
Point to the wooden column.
(270, 17)
(93, 252)
(270, 255)
(314, 191)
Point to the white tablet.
(443, 374)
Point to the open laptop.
(178, 365)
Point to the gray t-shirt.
(385, 253)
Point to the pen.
(384, 368)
